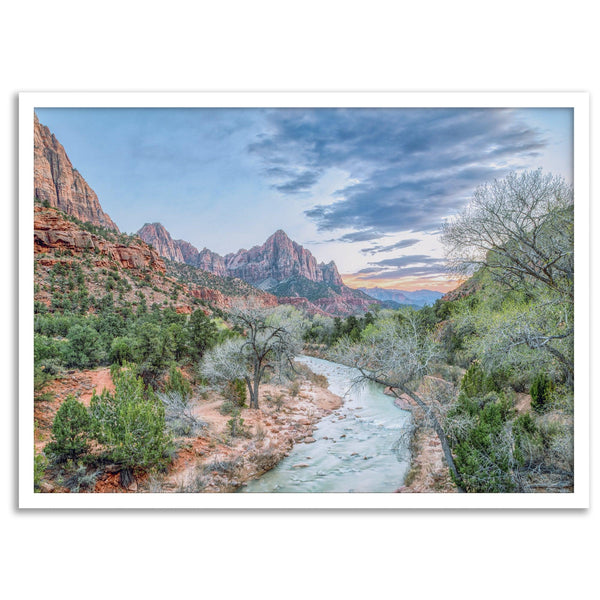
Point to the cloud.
(415, 271)
(413, 167)
(415, 265)
(397, 246)
(358, 236)
(299, 183)
(403, 261)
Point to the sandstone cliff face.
(52, 231)
(188, 252)
(160, 239)
(61, 185)
(277, 259)
(211, 262)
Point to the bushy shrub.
(121, 350)
(476, 382)
(70, 431)
(178, 384)
(236, 424)
(541, 392)
(130, 423)
(40, 462)
(83, 349)
(482, 442)
(236, 392)
(294, 388)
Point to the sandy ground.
(216, 462)
(212, 461)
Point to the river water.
(361, 447)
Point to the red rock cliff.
(60, 184)
(52, 231)
(279, 258)
(160, 239)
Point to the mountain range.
(279, 266)
(416, 298)
(278, 271)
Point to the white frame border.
(579, 101)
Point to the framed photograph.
(304, 300)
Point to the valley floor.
(212, 461)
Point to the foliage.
(178, 384)
(70, 431)
(236, 424)
(541, 392)
(476, 382)
(235, 392)
(271, 340)
(203, 334)
(40, 463)
(520, 230)
(130, 423)
(121, 350)
(83, 349)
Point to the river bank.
(213, 460)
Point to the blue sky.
(368, 188)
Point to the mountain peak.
(61, 185)
(160, 239)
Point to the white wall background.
(275, 45)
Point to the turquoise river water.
(361, 447)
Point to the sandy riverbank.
(211, 461)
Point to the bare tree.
(520, 227)
(399, 355)
(271, 339)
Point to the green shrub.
(483, 444)
(235, 392)
(83, 349)
(178, 384)
(70, 431)
(40, 462)
(541, 392)
(476, 382)
(131, 423)
(236, 424)
(121, 350)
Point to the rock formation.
(211, 262)
(59, 184)
(279, 258)
(52, 231)
(160, 239)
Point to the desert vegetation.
(488, 370)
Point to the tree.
(271, 340)
(130, 423)
(203, 333)
(84, 349)
(398, 354)
(521, 228)
(70, 430)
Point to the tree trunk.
(440, 433)
(254, 389)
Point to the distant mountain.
(58, 184)
(160, 239)
(278, 259)
(417, 298)
(280, 266)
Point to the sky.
(367, 188)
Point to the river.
(361, 447)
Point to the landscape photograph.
(248, 300)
